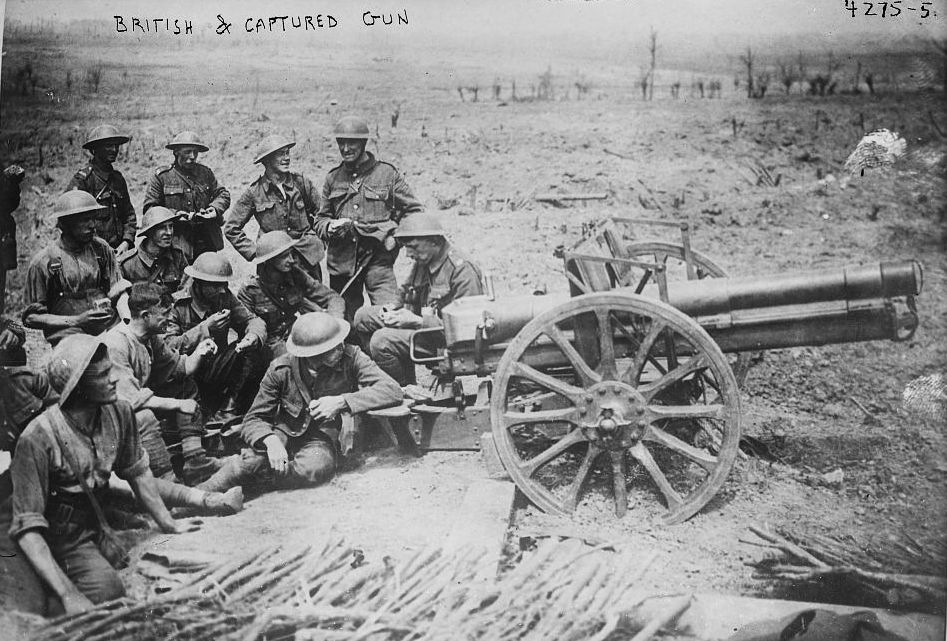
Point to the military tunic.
(290, 209)
(117, 222)
(447, 277)
(165, 269)
(67, 280)
(277, 298)
(187, 327)
(190, 191)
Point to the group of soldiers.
(152, 350)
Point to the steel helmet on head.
(420, 225)
(316, 333)
(186, 139)
(105, 133)
(272, 244)
(155, 216)
(351, 127)
(70, 359)
(211, 267)
(271, 144)
(75, 202)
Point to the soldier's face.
(284, 262)
(210, 293)
(156, 318)
(97, 385)
(80, 227)
(162, 235)
(329, 359)
(278, 161)
(351, 149)
(421, 250)
(186, 156)
(105, 151)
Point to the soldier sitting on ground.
(208, 309)
(60, 468)
(440, 275)
(280, 290)
(293, 428)
(279, 200)
(363, 200)
(191, 188)
(117, 220)
(157, 380)
(156, 260)
(73, 283)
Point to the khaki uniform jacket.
(141, 367)
(166, 269)
(449, 276)
(292, 213)
(277, 302)
(374, 195)
(190, 191)
(67, 280)
(186, 327)
(286, 389)
(118, 221)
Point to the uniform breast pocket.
(292, 406)
(172, 190)
(436, 295)
(376, 209)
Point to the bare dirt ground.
(690, 157)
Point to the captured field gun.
(625, 390)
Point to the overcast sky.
(591, 17)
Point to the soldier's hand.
(277, 454)
(93, 319)
(187, 406)
(123, 247)
(8, 339)
(247, 342)
(75, 602)
(401, 318)
(206, 347)
(182, 526)
(340, 226)
(207, 214)
(219, 321)
(327, 407)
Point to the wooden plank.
(482, 524)
(555, 197)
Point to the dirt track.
(683, 160)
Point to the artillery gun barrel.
(741, 314)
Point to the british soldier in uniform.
(363, 200)
(440, 275)
(156, 259)
(191, 188)
(116, 221)
(279, 199)
(280, 290)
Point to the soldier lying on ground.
(440, 275)
(208, 309)
(157, 381)
(116, 220)
(279, 200)
(72, 284)
(82, 439)
(363, 200)
(156, 260)
(280, 291)
(190, 187)
(293, 428)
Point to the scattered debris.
(562, 197)
(880, 148)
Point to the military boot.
(199, 467)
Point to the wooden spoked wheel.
(620, 398)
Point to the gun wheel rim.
(630, 416)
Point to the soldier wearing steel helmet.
(190, 187)
(117, 220)
(307, 396)
(73, 445)
(279, 199)
(363, 200)
(156, 259)
(440, 275)
(280, 290)
(208, 309)
(72, 283)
